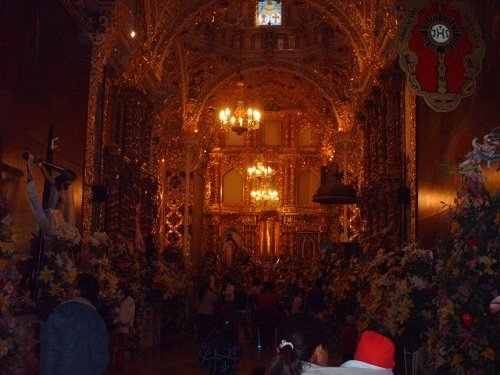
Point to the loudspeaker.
(404, 196)
(99, 194)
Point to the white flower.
(59, 261)
(99, 239)
(67, 233)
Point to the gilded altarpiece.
(294, 148)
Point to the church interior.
(351, 144)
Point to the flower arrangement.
(59, 270)
(168, 279)
(464, 338)
(16, 340)
(66, 234)
(57, 275)
(8, 279)
(123, 259)
(393, 286)
(102, 268)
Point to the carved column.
(96, 77)
(186, 243)
(392, 81)
(382, 158)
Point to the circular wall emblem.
(441, 33)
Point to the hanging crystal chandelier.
(241, 120)
(263, 192)
(260, 170)
(265, 195)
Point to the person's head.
(303, 339)
(65, 179)
(86, 286)
(375, 349)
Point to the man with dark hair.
(74, 339)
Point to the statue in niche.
(229, 250)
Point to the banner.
(441, 51)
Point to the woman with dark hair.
(302, 347)
(303, 351)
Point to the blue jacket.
(74, 341)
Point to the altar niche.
(269, 233)
(231, 245)
(307, 245)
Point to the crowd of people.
(76, 338)
(230, 316)
(80, 338)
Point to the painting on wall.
(307, 245)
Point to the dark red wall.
(443, 138)
(44, 74)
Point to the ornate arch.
(194, 111)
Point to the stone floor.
(183, 360)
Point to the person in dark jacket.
(74, 339)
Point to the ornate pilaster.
(102, 33)
(383, 167)
(410, 136)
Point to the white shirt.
(126, 315)
(311, 369)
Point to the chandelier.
(263, 192)
(260, 170)
(241, 120)
(265, 195)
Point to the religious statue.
(229, 250)
(59, 209)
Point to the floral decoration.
(100, 265)
(464, 337)
(16, 339)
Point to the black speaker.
(404, 196)
(99, 194)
